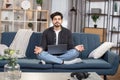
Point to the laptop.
(57, 49)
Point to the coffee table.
(51, 76)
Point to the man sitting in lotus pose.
(57, 34)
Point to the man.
(57, 34)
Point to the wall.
(61, 6)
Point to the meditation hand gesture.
(79, 48)
(38, 50)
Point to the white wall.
(101, 18)
(61, 6)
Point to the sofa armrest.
(113, 59)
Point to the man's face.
(57, 21)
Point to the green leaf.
(1, 57)
(95, 17)
(39, 2)
(115, 7)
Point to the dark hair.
(56, 14)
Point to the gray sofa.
(106, 65)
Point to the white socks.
(76, 60)
(43, 62)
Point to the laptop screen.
(57, 49)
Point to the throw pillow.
(2, 48)
(100, 51)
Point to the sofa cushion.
(7, 38)
(33, 64)
(86, 64)
(2, 48)
(100, 51)
(2, 63)
(34, 41)
(28, 64)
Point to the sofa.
(106, 65)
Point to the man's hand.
(38, 50)
(79, 48)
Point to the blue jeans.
(69, 55)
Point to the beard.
(57, 24)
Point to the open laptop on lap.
(57, 49)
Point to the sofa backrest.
(90, 42)
(7, 38)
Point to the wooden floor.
(116, 76)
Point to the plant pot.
(38, 7)
(95, 26)
(12, 72)
(30, 25)
(115, 13)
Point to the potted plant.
(115, 8)
(95, 17)
(39, 2)
(30, 25)
(12, 68)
